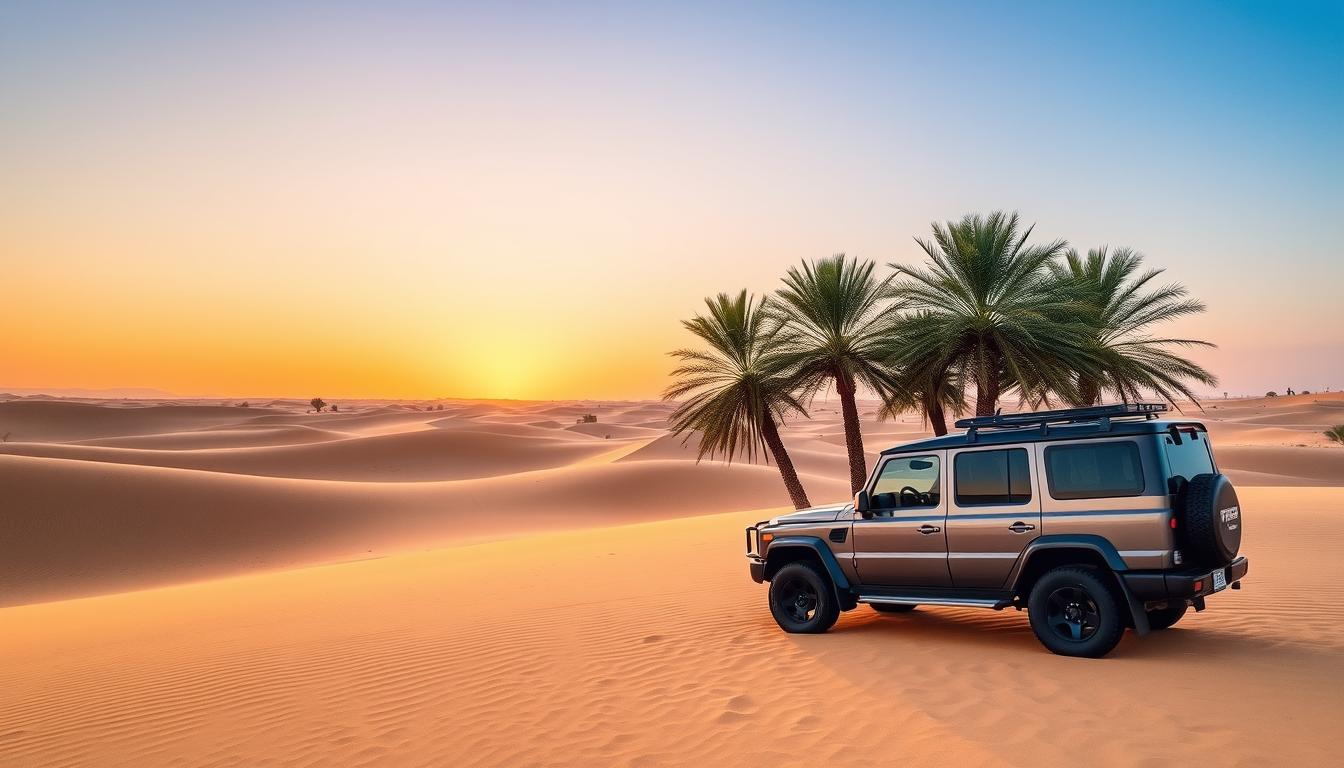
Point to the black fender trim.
(843, 593)
(1099, 544)
(1102, 546)
(815, 544)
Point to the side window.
(905, 482)
(1094, 470)
(992, 477)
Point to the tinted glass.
(993, 477)
(1191, 457)
(918, 475)
(1094, 470)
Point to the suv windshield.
(1191, 456)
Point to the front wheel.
(802, 599)
(1161, 618)
(1074, 612)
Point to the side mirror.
(861, 504)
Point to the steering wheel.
(919, 498)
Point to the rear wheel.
(802, 599)
(1161, 618)
(892, 608)
(1074, 612)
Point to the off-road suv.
(1092, 519)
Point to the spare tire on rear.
(1212, 520)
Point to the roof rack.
(1102, 414)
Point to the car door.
(994, 512)
(902, 542)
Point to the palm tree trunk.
(933, 412)
(858, 465)
(1089, 391)
(986, 382)
(772, 441)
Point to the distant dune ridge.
(190, 490)
(215, 585)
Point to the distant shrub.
(1271, 393)
(244, 404)
(335, 407)
(5, 438)
(587, 418)
(1305, 392)
(439, 407)
(1336, 433)
(318, 404)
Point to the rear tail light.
(1173, 523)
(1199, 585)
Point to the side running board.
(962, 602)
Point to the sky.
(522, 200)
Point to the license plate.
(1219, 579)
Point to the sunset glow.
(422, 202)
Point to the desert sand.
(493, 583)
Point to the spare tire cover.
(1212, 519)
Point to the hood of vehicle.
(822, 514)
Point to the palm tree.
(833, 309)
(995, 314)
(1121, 307)
(929, 382)
(739, 388)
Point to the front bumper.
(1187, 584)
(756, 553)
(757, 566)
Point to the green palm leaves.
(833, 313)
(1120, 307)
(988, 311)
(738, 390)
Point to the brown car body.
(976, 519)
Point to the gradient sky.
(522, 200)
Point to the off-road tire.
(1100, 614)
(892, 608)
(1162, 618)
(1208, 538)
(812, 583)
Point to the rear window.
(992, 477)
(1191, 457)
(1094, 470)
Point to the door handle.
(1021, 527)
(927, 529)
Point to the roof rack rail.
(1043, 419)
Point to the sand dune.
(401, 457)
(58, 421)
(647, 645)
(612, 430)
(809, 456)
(1302, 466)
(220, 437)
(85, 527)
(205, 585)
